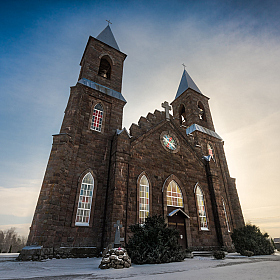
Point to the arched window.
(182, 114)
(174, 195)
(104, 68)
(210, 149)
(85, 201)
(201, 208)
(97, 117)
(201, 111)
(225, 211)
(144, 199)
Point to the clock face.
(169, 142)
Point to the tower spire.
(185, 83)
(107, 37)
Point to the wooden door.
(178, 221)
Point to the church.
(100, 175)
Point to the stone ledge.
(38, 253)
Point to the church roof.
(120, 131)
(202, 129)
(176, 211)
(101, 88)
(107, 37)
(186, 82)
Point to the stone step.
(202, 253)
(8, 257)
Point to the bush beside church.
(154, 242)
(250, 239)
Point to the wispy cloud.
(19, 201)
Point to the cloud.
(19, 201)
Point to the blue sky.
(231, 50)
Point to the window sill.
(81, 224)
(204, 229)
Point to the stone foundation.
(38, 253)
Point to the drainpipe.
(214, 203)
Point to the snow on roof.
(202, 129)
(101, 88)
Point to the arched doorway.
(176, 215)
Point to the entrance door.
(178, 221)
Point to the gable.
(150, 146)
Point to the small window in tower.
(97, 117)
(104, 68)
(182, 114)
(210, 150)
(201, 111)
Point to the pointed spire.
(186, 82)
(107, 37)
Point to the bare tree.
(10, 241)
(2, 237)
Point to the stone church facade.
(99, 173)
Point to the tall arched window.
(85, 201)
(104, 68)
(144, 199)
(201, 208)
(210, 149)
(225, 211)
(97, 117)
(174, 195)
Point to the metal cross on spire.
(167, 108)
(184, 66)
(109, 22)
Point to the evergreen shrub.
(250, 238)
(154, 242)
(219, 255)
(247, 253)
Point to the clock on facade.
(169, 141)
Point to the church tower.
(190, 105)
(192, 113)
(71, 207)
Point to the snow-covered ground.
(206, 268)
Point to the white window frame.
(225, 211)
(86, 193)
(144, 207)
(201, 207)
(173, 196)
(99, 128)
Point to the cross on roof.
(184, 66)
(109, 22)
(167, 108)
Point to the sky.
(231, 50)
